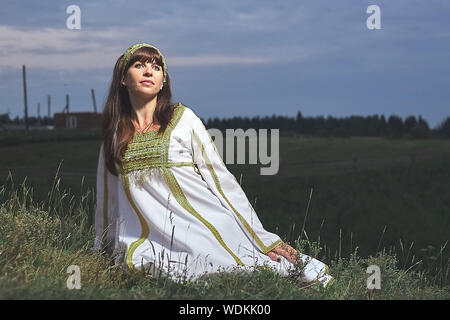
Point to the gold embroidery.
(145, 230)
(150, 149)
(272, 246)
(264, 248)
(182, 200)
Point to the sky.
(236, 57)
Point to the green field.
(364, 194)
(400, 185)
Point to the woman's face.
(144, 79)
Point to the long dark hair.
(117, 128)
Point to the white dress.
(175, 208)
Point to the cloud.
(196, 33)
(56, 48)
(70, 50)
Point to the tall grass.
(40, 240)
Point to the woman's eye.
(154, 67)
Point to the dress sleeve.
(225, 186)
(106, 206)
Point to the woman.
(165, 200)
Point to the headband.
(126, 56)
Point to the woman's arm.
(225, 186)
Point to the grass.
(39, 240)
(390, 210)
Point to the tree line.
(43, 121)
(372, 125)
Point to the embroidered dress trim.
(150, 149)
(145, 230)
(255, 237)
(272, 246)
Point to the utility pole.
(48, 107)
(39, 113)
(66, 108)
(93, 100)
(25, 96)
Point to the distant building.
(77, 120)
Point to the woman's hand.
(286, 251)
